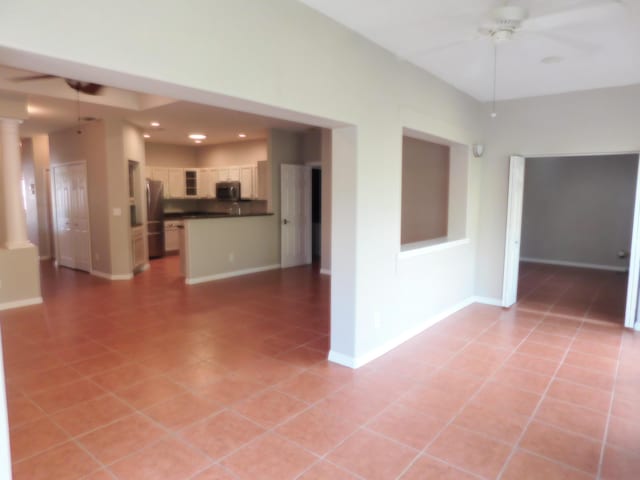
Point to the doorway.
(572, 223)
(316, 214)
(295, 211)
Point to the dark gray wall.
(579, 209)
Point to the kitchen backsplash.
(205, 205)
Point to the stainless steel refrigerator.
(155, 218)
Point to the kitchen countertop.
(203, 215)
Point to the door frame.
(307, 195)
(54, 209)
(633, 283)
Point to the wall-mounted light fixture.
(478, 150)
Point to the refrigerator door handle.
(148, 195)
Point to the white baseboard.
(562, 263)
(325, 271)
(108, 276)
(235, 273)
(357, 362)
(496, 302)
(21, 303)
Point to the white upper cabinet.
(192, 182)
(206, 183)
(246, 182)
(234, 174)
(176, 183)
(201, 182)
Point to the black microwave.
(228, 191)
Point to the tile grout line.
(609, 415)
(470, 399)
(516, 445)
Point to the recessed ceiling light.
(242, 135)
(197, 141)
(197, 136)
(155, 124)
(146, 135)
(552, 59)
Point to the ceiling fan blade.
(590, 13)
(580, 45)
(84, 87)
(445, 46)
(92, 89)
(32, 77)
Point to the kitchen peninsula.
(216, 246)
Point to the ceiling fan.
(511, 19)
(88, 88)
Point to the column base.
(18, 245)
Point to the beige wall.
(240, 243)
(282, 147)
(425, 190)
(166, 155)
(231, 154)
(68, 146)
(19, 275)
(105, 146)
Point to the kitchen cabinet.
(137, 247)
(172, 231)
(234, 174)
(246, 182)
(207, 183)
(162, 175)
(191, 182)
(262, 178)
(176, 183)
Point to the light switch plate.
(117, 212)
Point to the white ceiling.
(599, 41)
(53, 106)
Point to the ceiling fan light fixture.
(501, 36)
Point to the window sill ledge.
(421, 248)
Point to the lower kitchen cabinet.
(137, 247)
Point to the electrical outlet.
(117, 212)
(232, 257)
(377, 321)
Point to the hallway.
(151, 379)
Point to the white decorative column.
(12, 201)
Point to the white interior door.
(295, 211)
(81, 237)
(71, 216)
(514, 228)
(633, 283)
(63, 221)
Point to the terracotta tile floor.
(580, 292)
(151, 379)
